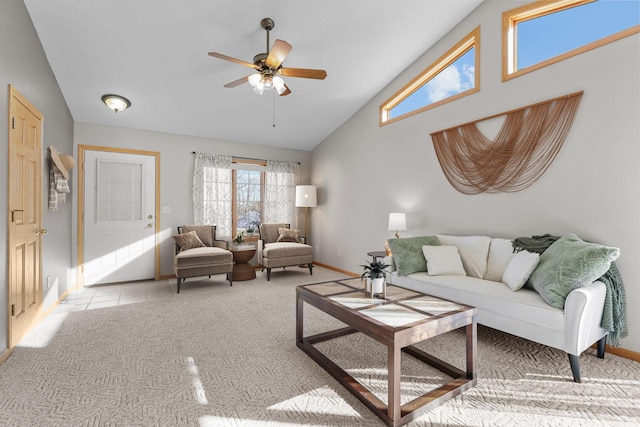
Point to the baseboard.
(623, 352)
(4, 356)
(167, 276)
(61, 298)
(339, 270)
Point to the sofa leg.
(602, 345)
(268, 273)
(310, 268)
(575, 367)
(230, 278)
(178, 279)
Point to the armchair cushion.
(188, 240)
(286, 250)
(203, 256)
(288, 235)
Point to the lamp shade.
(306, 196)
(397, 221)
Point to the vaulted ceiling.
(154, 52)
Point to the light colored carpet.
(216, 355)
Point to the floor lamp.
(306, 197)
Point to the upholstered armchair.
(279, 246)
(198, 253)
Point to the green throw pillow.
(407, 253)
(570, 263)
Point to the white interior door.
(119, 223)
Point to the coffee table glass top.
(394, 315)
(401, 306)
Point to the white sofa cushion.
(474, 251)
(519, 269)
(500, 253)
(443, 260)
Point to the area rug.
(216, 355)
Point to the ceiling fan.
(269, 67)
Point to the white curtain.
(280, 192)
(212, 193)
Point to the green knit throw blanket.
(614, 315)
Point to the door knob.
(41, 231)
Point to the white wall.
(24, 65)
(176, 169)
(364, 171)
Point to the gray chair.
(213, 258)
(272, 254)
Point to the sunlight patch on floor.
(322, 400)
(200, 395)
(42, 335)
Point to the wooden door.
(24, 216)
(119, 217)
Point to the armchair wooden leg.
(310, 268)
(230, 278)
(268, 273)
(178, 279)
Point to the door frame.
(81, 151)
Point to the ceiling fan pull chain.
(274, 108)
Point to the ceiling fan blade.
(238, 82)
(306, 73)
(278, 52)
(231, 59)
(286, 92)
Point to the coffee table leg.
(299, 318)
(472, 349)
(393, 367)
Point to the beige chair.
(212, 258)
(272, 253)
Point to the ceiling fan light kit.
(269, 68)
(116, 102)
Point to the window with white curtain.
(280, 192)
(212, 193)
(238, 194)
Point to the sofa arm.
(582, 317)
(259, 248)
(389, 261)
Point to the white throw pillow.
(500, 253)
(443, 260)
(474, 251)
(519, 269)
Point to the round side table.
(242, 270)
(377, 254)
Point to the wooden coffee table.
(404, 318)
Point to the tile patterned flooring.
(116, 294)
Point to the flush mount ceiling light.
(116, 102)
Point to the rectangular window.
(543, 33)
(248, 195)
(452, 76)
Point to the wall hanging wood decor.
(526, 145)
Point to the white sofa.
(523, 312)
